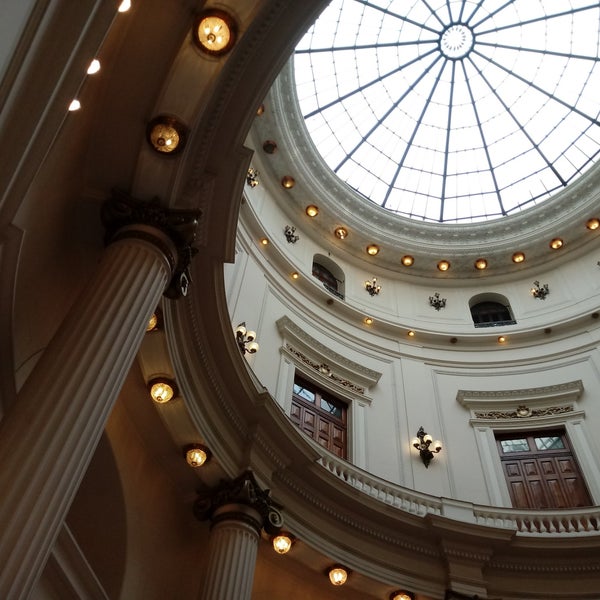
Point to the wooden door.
(320, 416)
(541, 471)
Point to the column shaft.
(233, 547)
(49, 436)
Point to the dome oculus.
(453, 111)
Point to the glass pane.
(551, 442)
(331, 408)
(301, 391)
(453, 111)
(519, 445)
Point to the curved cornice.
(530, 231)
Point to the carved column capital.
(173, 231)
(231, 499)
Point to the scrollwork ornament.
(121, 213)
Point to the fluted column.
(238, 510)
(49, 436)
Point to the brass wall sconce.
(282, 543)
(196, 455)
(246, 339)
(436, 302)
(372, 287)
(252, 177)
(422, 443)
(162, 389)
(540, 291)
(215, 32)
(338, 575)
(166, 135)
(290, 234)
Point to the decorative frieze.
(522, 412)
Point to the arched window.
(329, 274)
(491, 310)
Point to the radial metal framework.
(453, 110)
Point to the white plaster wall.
(420, 377)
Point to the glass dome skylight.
(453, 111)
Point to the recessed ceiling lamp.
(556, 243)
(295, 275)
(481, 264)
(312, 210)
(282, 543)
(162, 389)
(94, 67)
(411, 333)
(368, 321)
(166, 134)
(270, 147)
(264, 241)
(407, 260)
(518, 257)
(338, 575)
(501, 339)
(443, 265)
(288, 182)
(401, 595)
(373, 249)
(215, 32)
(593, 224)
(196, 455)
(341, 233)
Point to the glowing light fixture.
(215, 32)
(264, 241)
(312, 210)
(94, 67)
(75, 105)
(540, 291)
(501, 339)
(196, 455)
(368, 321)
(338, 575)
(407, 260)
(556, 243)
(410, 333)
(166, 135)
(246, 339)
(373, 249)
(593, 224)
(124, 6)
(443, 265)
(341, 233)
(152, 322)
(295, 275)
(518, 257)
(288, 182)
(282, 543)
(162, 390)
(401, 595)
(372, 287)
(481, 264)
(423, 443)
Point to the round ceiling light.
(288, 182)
(593, 224)
(518, 257)
(481, 264)
(373, 249)
(341, 233)
(166, 135)
(443, 265)
(312, 210)
(282, 543)
(407, 260)
(162, 390)
(215, 32)
(556, 243)
(196, 455)
(338, 575)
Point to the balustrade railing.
(564, 522)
